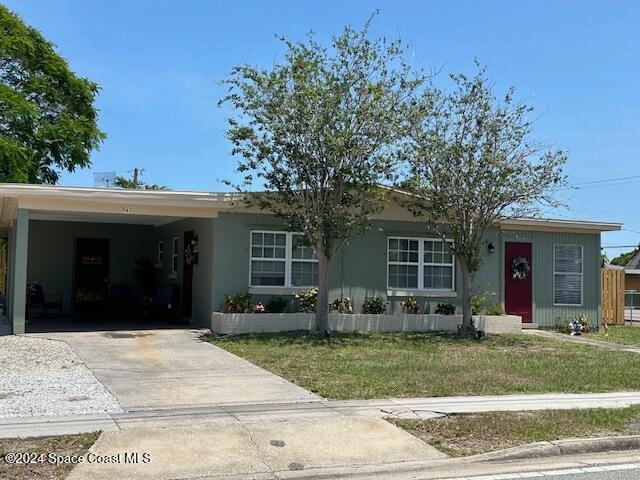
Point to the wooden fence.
(612, 288)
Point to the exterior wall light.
(491, 248)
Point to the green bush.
(478, 303)
(307, 300)
(238, 303)
(445, 308)
(374, 305)
(495, 309)
(277, 304)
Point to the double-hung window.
(160, 253)
(567, 274)
(279, 259)
(175, 255)
(419, 264)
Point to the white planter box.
(235, 323)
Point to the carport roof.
(119, 205)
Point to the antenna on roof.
(104, 179)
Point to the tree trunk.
(467, 329)
(322, 304)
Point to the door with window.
(187, 275)
(91, 266)
(518, 280)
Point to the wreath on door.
(188, 255)
(520, 268)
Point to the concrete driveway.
(178, 391)
(151, 369)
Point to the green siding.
(360, 270)
(544, 311)
(202, 271)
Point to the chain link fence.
(632, 306)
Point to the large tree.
(47, 118)
(472, 162)
(316, 135)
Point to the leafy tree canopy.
(624, 258)
(472, 162)
(130, 184)
(47, 117)
(318, 132)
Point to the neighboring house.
(70, 239)
(632, 273)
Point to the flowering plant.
(258, 308)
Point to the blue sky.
(159, 64)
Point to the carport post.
(18, 249)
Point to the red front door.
(517, 288)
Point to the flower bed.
(236, 323)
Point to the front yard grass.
(59, 445)
(625, 334)
(462, 435)
(383, 365)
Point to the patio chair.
(37, 299)
(164, 305)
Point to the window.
(278, 259)
(160, 252)
(174, 255)
(567, 275)
(420, 264)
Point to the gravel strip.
(40, 377)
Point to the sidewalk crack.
(255, 444)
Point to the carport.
(85, 247)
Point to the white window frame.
(160, 258)
(421, 264)
(175, 255)
(288, 260)
(568, 273)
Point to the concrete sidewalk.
(584, 340)
(260, 412)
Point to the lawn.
(383, 365)
(463, 435)
(58, 445)
(625, 334)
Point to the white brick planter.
(235, 323)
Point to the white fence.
(235, 323)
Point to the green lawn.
(462, 435)
(626, 334)
(382, 365)
(62, 445)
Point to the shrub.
(374, 305)
(477, 303)
(238, 303)
(495, 309)
(410, 305)
(307, 300)
(445, 308)
(342, 305)
(277, 304)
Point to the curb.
(558, 448)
